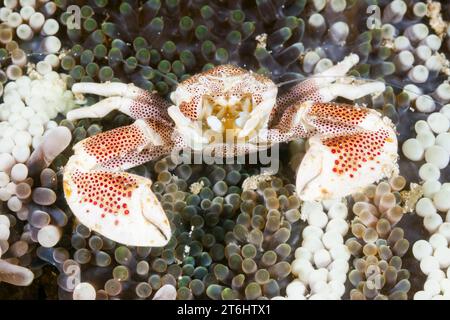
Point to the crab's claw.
(119, 205)
(350, 147)
(343, 159)
(126, 210)
(330, 170)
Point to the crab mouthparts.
(226, 115)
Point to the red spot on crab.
(358, 148)
(118, 190)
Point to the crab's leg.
(105, 150)
(350, 147)
(127, 98)
(119, 205)
(325, 87)
(290, 127)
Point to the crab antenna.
(328, 76)
(174, 82)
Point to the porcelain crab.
(349, 146)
